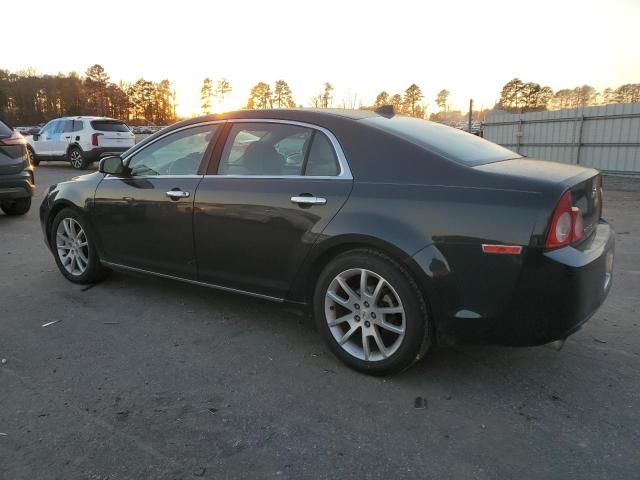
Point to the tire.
(85, 268)
(32, 156)
(19, 206)
(77, 159)
(404, 328)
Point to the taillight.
(94, 139)
(567, 225)
(14, 139)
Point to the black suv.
(17, 183)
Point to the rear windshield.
(451, 143)
(109, 126)
(5, 130)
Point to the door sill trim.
(117, 266)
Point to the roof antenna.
(386, 111)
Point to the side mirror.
(111, 165)
(36, 137)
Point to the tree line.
(27, 98)
(518, 96)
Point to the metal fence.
(604, 137)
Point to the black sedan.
(397, 233)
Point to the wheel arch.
(324, 252)
(73, 145)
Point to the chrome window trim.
(345, 171)
(166, 134)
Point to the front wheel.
(76, 158)
(371, 313)
(74, 249)
(17, 207)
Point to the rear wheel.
(74, 249)
(371, 313)
(19, 206)
(76, 158)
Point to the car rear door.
(144, 219)
(267, 196)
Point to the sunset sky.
(469, 47)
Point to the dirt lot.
(146, 378)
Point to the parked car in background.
(17, 182)
(397, 233)
(80, 140)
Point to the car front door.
(265, 200)
(144, 219)
(59, 145)
(45, 138)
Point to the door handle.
(68, 136)
(309, 200)
(176, 194)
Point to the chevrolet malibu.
(397, 233)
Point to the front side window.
(47, 128)
(178, 153)
(265, 149)
(58, 127)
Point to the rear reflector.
(502, 249)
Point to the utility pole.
(470, 113)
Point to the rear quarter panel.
(438, 231)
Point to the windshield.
(452, 143)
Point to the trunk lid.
(553, 179)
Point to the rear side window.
(322, 161)
(68, 126)
(77, 125)
(4, 129)
(109, 126)
(449, 142)
(264, 149)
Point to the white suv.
(80, 140)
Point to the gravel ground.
(147, 378)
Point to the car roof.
(294, 114)
(86, 117)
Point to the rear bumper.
(19, 185)
(96, 154)
(555, 294)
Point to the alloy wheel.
(72, 246)
(365, 314)
(76, 158)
